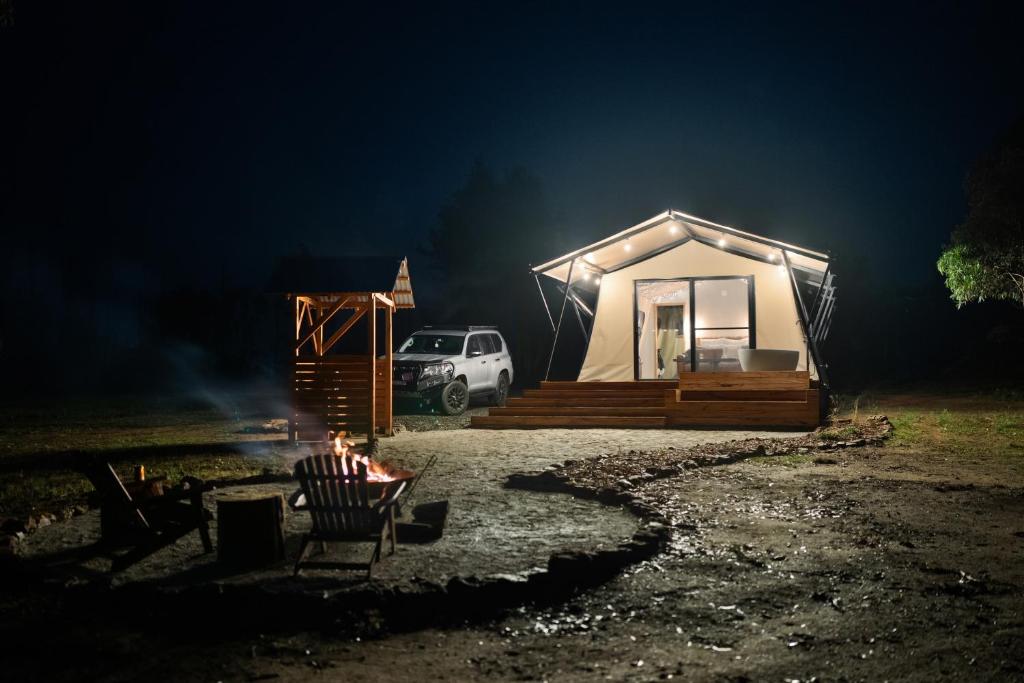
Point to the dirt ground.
(863, 567)
(904, 562)
(868, 567)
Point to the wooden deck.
(702, 399)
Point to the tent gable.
(668, 230)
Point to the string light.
(597, 280)
(673, 229)
(721, 240)
(772, 257)
(627, 246)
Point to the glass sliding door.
(692, 325)
(662, 328)
(723, 310)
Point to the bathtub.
(752, 360)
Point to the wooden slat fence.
(332, 394)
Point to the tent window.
(692, 324)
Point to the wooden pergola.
(340, 394)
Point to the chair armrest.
(384, 503)
(297, 501)
(193, 482)
(190, 487)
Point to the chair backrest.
(106, 482)
(337, 494)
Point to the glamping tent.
(678, 301)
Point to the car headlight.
(445, 370)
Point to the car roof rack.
(466, 328)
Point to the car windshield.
(441, 344)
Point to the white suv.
(448, 364)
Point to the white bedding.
(730, 345)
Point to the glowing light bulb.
(590, 257)
(772, 257)
(721, 240)
(627, 246)
(673, 229)
(597, 280)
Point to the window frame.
(474, 338)
(693, 280)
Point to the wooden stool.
(250, 530)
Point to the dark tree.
(985, 259)
(485, 238)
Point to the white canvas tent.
(677, 292)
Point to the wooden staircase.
(703, 399)
(583, 404)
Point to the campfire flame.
(374, 470)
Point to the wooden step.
(619, 386)
(802, 414)
(588, 401)
(652, 411)
(747, 395)
(565, 422)
(655, 392)
(745, 381)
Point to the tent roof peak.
(672, 228)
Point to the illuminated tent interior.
(677, 293)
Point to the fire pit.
(428, 519)
(380, 476)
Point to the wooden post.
(292, 390)
(298, 323)
(388, 372)
(318, 339)
(371, 313)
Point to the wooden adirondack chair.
(344, 508)
(146, 524)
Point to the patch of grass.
(25, 492)
(906, 428)
(115, 427)
(115, 424)
(839, 433)
(975, 425)
(1010, 425)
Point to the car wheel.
(454, 398)
(501, 391)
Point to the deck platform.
(699, 399)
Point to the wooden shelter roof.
(323, 279)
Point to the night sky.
(150, 145)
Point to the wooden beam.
(765, 380)
(384, 300)
(322, 321)
(371, 309)
(318, 298)
(388, 373)
(345, 327)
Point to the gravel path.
(490, 529)
(495, 453)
